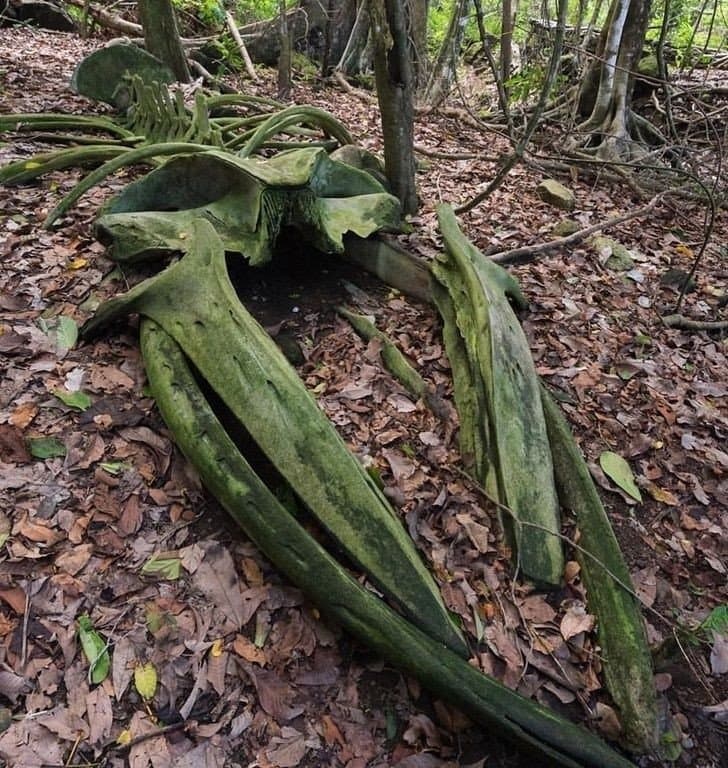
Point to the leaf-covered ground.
(100, 515)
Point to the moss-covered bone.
(247, 201)
(626, 657)
(499, 400)
(195, 303)
(291, 548)
(99, 75)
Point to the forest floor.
(248, 673)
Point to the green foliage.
(438, 19)
(254, 10)
(209, 13)
(226, 50)
(304, 66)
(525, 83)
(717, 621)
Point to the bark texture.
(606, 92)
(161, 36)
(393, 71)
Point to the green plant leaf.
(164, 567)
(145, 680)
(78, 400)
(114, 467)
(46, 447)
(94, 649)
(66, 333)
(716, 621)
(617, 469)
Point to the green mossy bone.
(626, 659)
(498, 399)
(195, 303)
(296, 554)
(247, 201)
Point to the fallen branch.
(108, 20)
(232, 26)
(687, 324)
(427, 152)
(527, 253)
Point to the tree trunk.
(393, 71)
(418, 42)
(508, 17)
(619, 50)
(443, 72)
(284, 58)
(354, 58)
(326, 59)
(161, 36)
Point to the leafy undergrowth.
(100, 515)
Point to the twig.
(527, 253)
(568, 540)
(687, 324)
(533, 120)
(146, 736)
(454, 155)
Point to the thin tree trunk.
(418, 42)
(443, 72)
(161, 36)
(326, 59)
(284, 59)
(392, 68)
(508, 16)
(350, 60)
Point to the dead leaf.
(26, 744)
(288, 749)
(402, 467)
(608, 722)
(123, 661)
(23, 414)
(217, 579)
(477, 533)
(248, 650)
(36, 531)
(719, 655)
(15, 597)
(645, 585)
(535, 608)
(576, 620)
(12, 445)
(216, 667)
(100, 716)
(12, 685)
(74, 560)
(275, 694)
(151, 750)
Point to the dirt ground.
(92, 489)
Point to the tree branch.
(526, 253)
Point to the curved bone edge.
(194, 301)
(129, 157)
(626, 659)
(291, 116)
(30, 168)
(500, 356)
(289, 546)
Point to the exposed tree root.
(687, 324)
